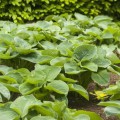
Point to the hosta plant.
(46, 60)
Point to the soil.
(91, 105)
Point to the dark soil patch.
(91, 105)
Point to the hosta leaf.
(9, 79)
(36, 58)
(90, 66)
(102, 62)
(112, 111)
(42, 118)
(113, 57)
(24, 51)
(92, 115)
(48, 45)
(50, 52)
(43, 24)
(5, 69)
(72, 68)
(21, 43)
(4, 91)
(6, 38)
(27, 88)
(22, 104)
(101, 53)
(8, 114)
(102, 77)
(85, 52)
(82, 117)
(64, 47)
(100, 18)
(16, 76)
(59, 61)
(59, 110)
(23, 34)
(58, 86)
(79, 89)
(107, 35)
(113, 89)
(115, 103)
(54, 28)
(37, 77)
(50, 71)
(111, 69)
(12, 87)
(93, 31)
(81, 17)
(46, 109)
(66, 79)
(8, 55)
(23, 72)
(117, 68)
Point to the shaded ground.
(91, 105)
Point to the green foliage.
(44, 61)
(30, 108)
(31, 10)
(112, 107)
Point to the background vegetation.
(32, 10)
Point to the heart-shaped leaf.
(58, 86)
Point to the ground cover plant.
(41, 62)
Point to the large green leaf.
(100, 18)
(27, 88)
(64, 47)
(37, 77)
(72, 68)
(102, 77)
(81, 17)
(92, 115)
(85, 52)
(66, 79)
(115, 103)
(90, 66)
(22, 104)
(82, 117)
(48, 45)
(4, 91)
(16, 76)
(5, 69)
(112, 111)
(36, 58)
(93, 31)
(102, 62)
(12, 87)
(7, 39)
(113, 70)
(9, 54)
(50, 71)
(79, 89)
(113, 58)
(58, 86)
(59, 61)
(8, 114)
(46, 109)
(50, 52)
